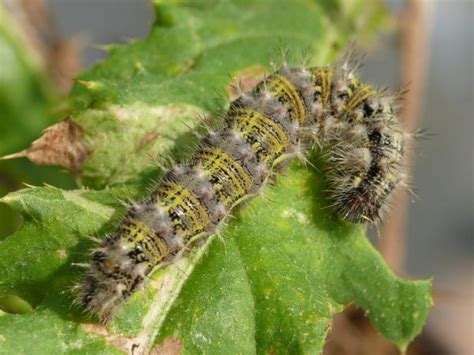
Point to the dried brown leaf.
(61, 144)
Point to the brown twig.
(413, 60)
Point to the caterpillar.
(355, 124)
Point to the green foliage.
(24, 91)
(26, 99)
(281, 268)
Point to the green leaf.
(302, 266)
(280, 270)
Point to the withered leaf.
(61, 144)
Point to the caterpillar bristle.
(354, 125)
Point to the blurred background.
(432, 51)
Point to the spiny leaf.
(283, 269)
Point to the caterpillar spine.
(354, 123)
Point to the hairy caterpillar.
(355, 124)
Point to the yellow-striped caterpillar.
(355, 125)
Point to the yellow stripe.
(360, 93)
(217, 160)
(322, 78)
(250, 123)
(284, 90)
(137, 232)
(176, 198)
(326, 81)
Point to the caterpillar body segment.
(365, 159)
(355, 124)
